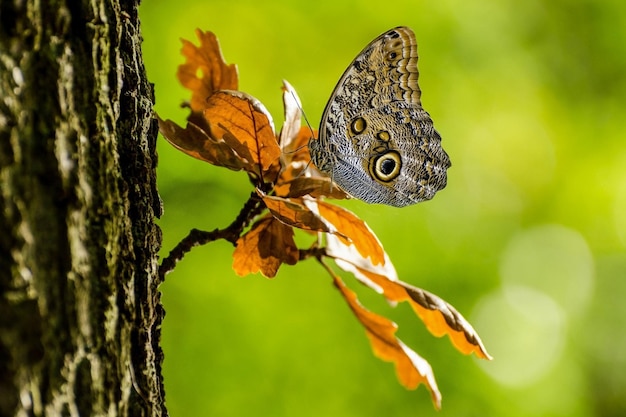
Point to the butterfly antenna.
(297, 101)
(304, 115)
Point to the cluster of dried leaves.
(231, 129)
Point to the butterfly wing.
(376, 141)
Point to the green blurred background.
(527, 241)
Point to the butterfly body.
(376, 142)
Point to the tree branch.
(252, 208)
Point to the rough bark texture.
(79, 306)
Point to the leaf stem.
(313, 252)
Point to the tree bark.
(79, 309)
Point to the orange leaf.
(294, 213)
(293, 113)
(267, 245)
(246, 126)
(298, 176)
(411, 369)
(316, 187)
(439, 317)
(296, 150)
(204, 70)
(357, 233)
(331, 219)
(195, 142)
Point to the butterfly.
(375, 140)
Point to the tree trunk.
(79, 308)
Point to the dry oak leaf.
(443, 319)
(205, 71)
(296, 161)
(294, 213)
(307, 214)
(315, 187)
(411, 368)
(439, 317)
(239, 135)
(267, 245)
(352, 231)
(195, 142)
(293, 137)
(299, 176)
(288, 138)
(244, 124)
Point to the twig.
(196, 237)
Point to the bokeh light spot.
(553, 259)
(524, 330)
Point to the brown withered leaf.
(299, 176)
(205, 71)
(350, 260)
(244, 124)
(439, 317)
(411, 369)
(297, 149)
(195, 142)
(267, 245)
(316, 187)
(293, 212)
(352, 230)
(291, 127)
